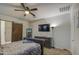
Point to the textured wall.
(60, 34)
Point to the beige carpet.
(55, 51)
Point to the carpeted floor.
(56, 51)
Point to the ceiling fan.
(27, 10)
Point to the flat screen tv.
(44, 27)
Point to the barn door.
(16, 31)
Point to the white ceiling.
(45, 10)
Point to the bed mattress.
(21, 48)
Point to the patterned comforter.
(24, 47)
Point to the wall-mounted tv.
(44, 27)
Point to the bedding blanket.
(21, 48)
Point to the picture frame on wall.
(44, 27)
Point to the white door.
(2, 32)
(8, 32)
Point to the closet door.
(16, 31)
(8, 31)
(5, 32)
(0, 32)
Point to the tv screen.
(44, 27)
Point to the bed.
(24, 47)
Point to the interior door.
(8, 31)
(16, 31)
(0, 32)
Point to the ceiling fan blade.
(34, 9)
(33, 14)
(23, 6)
(18, 10)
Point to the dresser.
(47, 41)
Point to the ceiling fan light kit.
(26, 12)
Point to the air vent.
(64, 9)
